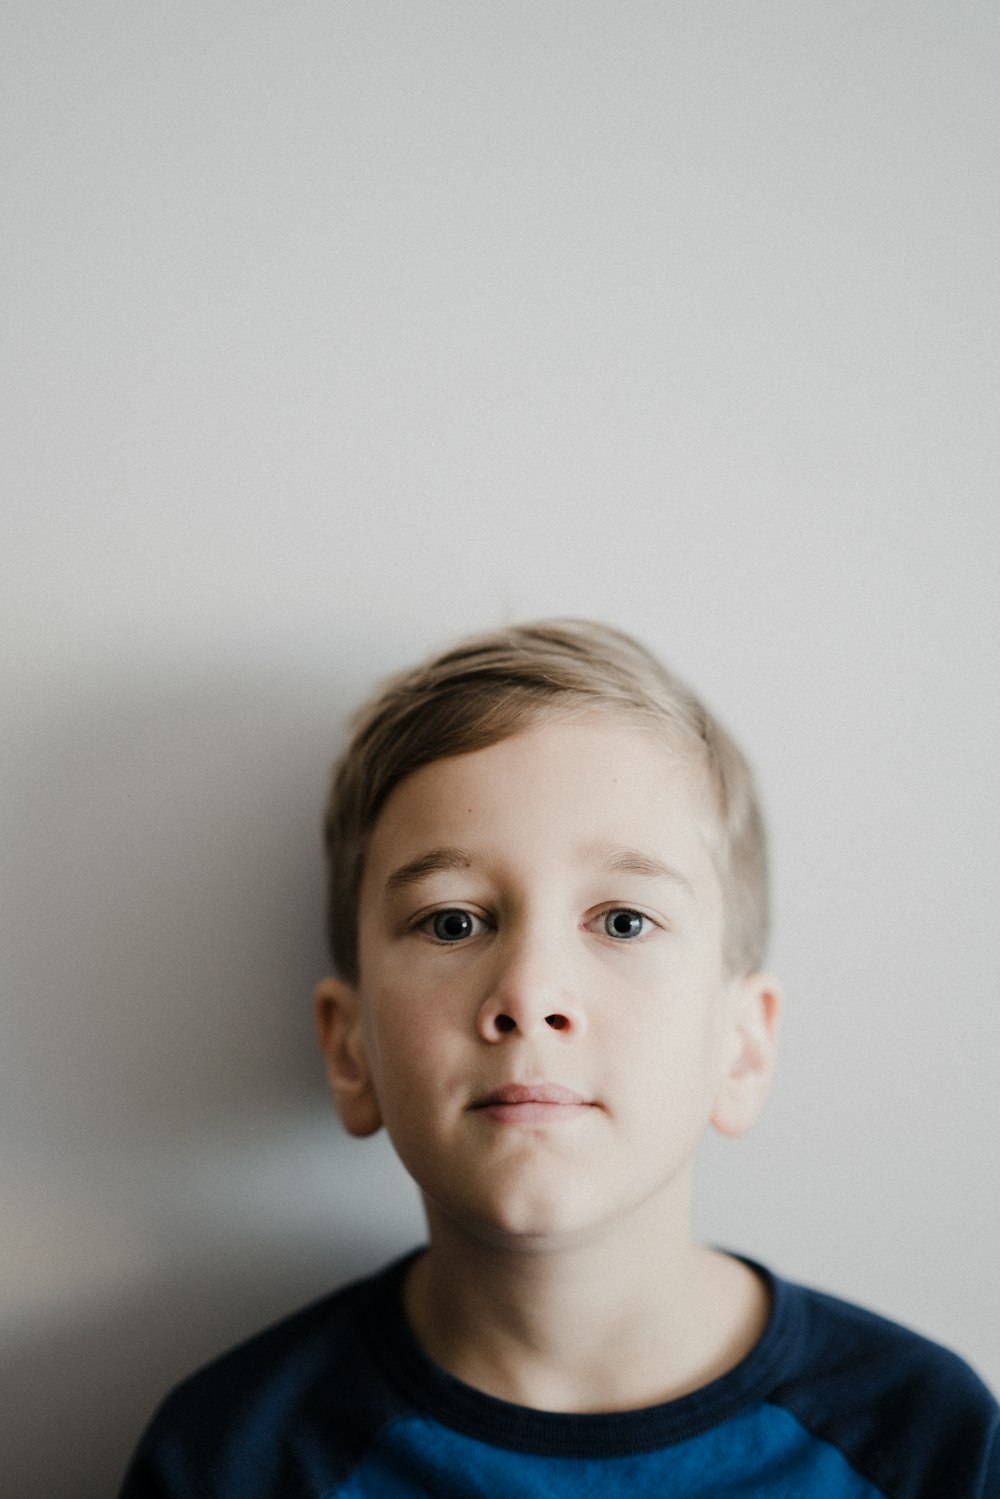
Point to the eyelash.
(425, 925)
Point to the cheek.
(386, 1033)
(669, 1044)
(407, 1037)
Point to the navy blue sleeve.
(152, 1475)
(290, 1412)
(909, 1416)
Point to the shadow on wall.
(172, 1175)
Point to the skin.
(545, 1026)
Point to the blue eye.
(624, 924)
(452, 926)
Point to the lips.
(524, 1093)
(531, 1104)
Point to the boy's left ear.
(756, 1002)
(338, 1025)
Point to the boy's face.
(543, 1021)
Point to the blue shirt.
(340, 1402)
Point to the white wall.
(342, 328)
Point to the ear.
(756, 1002)
(338, 1024)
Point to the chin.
(533, 1224)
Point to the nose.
(529, 994)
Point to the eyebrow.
(432, 862)
(621, 860)
(612, 857)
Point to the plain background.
(334, 330)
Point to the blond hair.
(493, 686)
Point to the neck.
(587, 1326)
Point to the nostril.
(557, 1022)
(505, 1023)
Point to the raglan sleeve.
(990, 1484)
(160, 1469)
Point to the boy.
(548, 910)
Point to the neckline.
(501, 1423)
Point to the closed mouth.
(515, 1095)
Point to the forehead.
(561, 793)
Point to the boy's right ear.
(338, 1024)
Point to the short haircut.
(493, 686)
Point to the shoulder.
(303, 1395)
(907, 1413)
